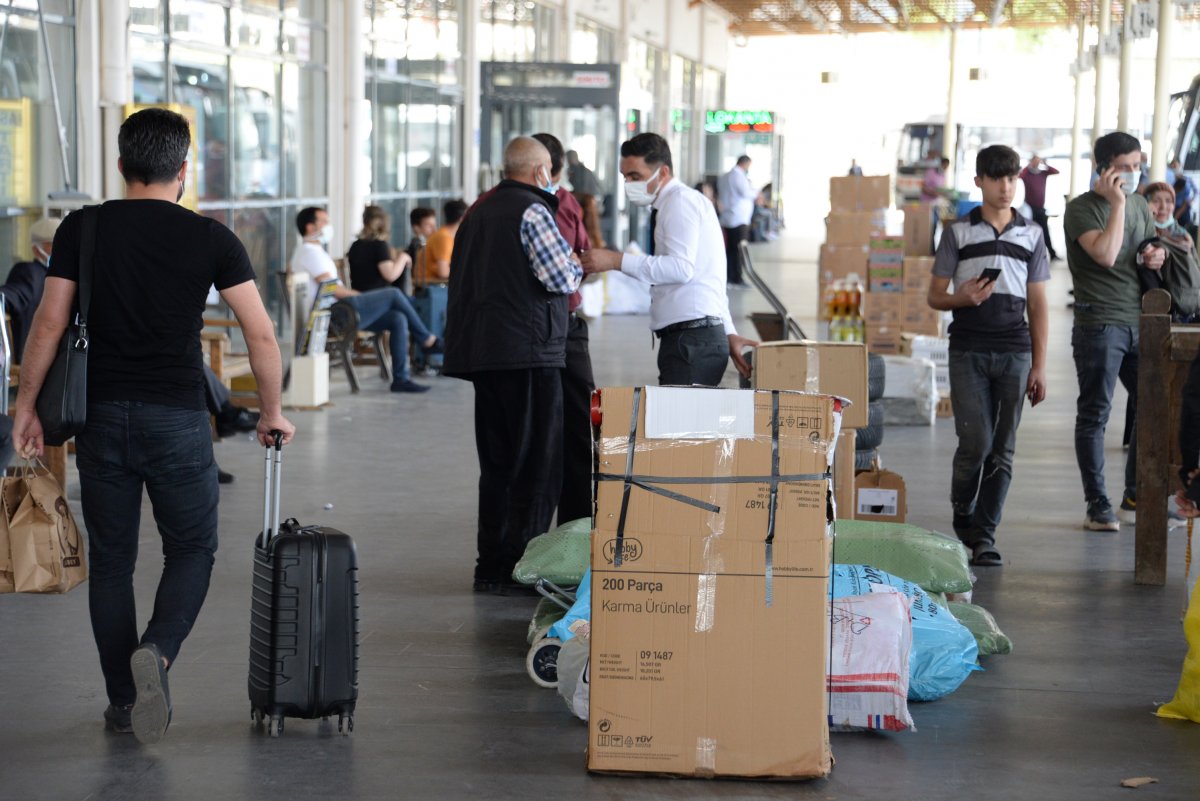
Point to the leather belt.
(687, 325)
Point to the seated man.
(433, 262)
(23, 290)
(423, 222)
(379, 310)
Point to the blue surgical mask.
(552, 189)
(1129, 182)
(1164, 223)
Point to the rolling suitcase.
(303, 618)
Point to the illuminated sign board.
(725, 121)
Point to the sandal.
(986, 556)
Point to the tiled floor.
(447, 711)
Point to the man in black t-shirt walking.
(147, 426)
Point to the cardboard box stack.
(882, 314)
(918, 229)
(885, 264)
(858, 211)
(710, 632)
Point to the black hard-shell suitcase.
(303, 618)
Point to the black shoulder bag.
(62, 401)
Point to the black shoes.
(223, 477)
(236, 420)
(408, 385)
(117, 719)
(151, 713)
(438, 346)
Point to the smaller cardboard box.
(918, 229)
(944, 407)
(883, 339)
(853, 227)
(842, 261)
(917, 272)
(882, 308)
(843, 475)
(860, 192)
(917, 317)
(828, 368)
(885, 278)
(880, 496)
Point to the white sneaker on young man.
(1100, 516)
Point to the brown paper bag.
(6, 568)
(46, 547)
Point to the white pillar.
(89, 141)
(1162, 91)
(469, 11)
(566, 51)
(950, 135)
(116, 89)
(348, 168)
(1077, 178)
(1104, 24)
(1125, 81)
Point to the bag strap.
(87, 248)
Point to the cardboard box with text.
(830, 368)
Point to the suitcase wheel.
(276, 726)
(257, 716)
(542, 662)
(348, 721)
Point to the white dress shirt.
(312, 259)
(687, 270)
(737, 198)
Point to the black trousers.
(733, 254)
(1040, 217)
(577, 385)
(518, 434)
(693, 356)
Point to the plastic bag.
(934, 561)
(943, 652)
(578, 618)
(868, 674)
(574, 675)
(560, 555)
(979, 621)
(1186, 703)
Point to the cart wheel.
(349, 724)
(542, 662)
(276, 726)
(341, 723)
(258, 717)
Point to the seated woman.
(1180, 274)
(373, 262)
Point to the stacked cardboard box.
(854, 227)
(882, 314)
(710, 633)
(860, 193)
(917, 316)
(858, 206)
(918, 229)
(885, 264)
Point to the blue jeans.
(387, 309)
(1103, 353)
(126, 446)
(987, 391)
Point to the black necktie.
(653, 224)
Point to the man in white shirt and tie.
(736, 196)
(689, 308)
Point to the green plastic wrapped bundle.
(982, 625)
(561, 555)
(932, 561)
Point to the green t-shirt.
(1106, 295)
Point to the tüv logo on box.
(631, 550)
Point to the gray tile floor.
(447, 711)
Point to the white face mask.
(1130, 182)
(638, 192)
(325, 235)
(41, 255)
(1164, 223)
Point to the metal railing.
(791, 328)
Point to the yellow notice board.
(16, 153)
(190, 197)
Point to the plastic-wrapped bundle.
(933, 561)
(869, 666)
(560, 555)
(983, 627)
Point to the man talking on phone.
(1110, 233)
(997, 261)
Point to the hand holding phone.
(989, 275)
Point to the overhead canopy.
(776, 17)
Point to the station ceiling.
(781, 17)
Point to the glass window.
(254, 32)
(638, 83)
(308, 9)
(149, 58)
(200, 80)
(592, 43)
(304, 132)
(256, 137)
(198, 21)
(146, 16)
(519, 30)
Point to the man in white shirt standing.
(689, 308)
(736, 196)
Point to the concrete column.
(1104, 24)
(566, 52)
(950, 135)
(1078, 179)
(1125, 81)
(347, 169)
(89, 143)
(116, 89)
(1162, 91)
(472, 87)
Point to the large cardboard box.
(709, 645)
(830, 368)
(842, 261)
(843, 475)
(883, 339)
(917, 317)
(880, 496)
(860, 193)
(853, 227)
(882, 308)
(918, 229)
(917, 272)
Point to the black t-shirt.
(364, 257)
(154, 262)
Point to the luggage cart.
(541, 662)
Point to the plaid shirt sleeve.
(549, 254)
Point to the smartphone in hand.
(990, 274)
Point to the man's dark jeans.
(1042, 219)
(387, 309)
(733, 253)
(1103, 353)
(693, 356)
(987, 391)
(577, 386)
(126, 446)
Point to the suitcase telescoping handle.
(271, 488)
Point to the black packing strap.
(769, 557)
(783, 478)
(633, 421)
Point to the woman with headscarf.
(1180, 274)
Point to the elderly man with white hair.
(23, 289)
(511, 274)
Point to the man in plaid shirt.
(511, 273)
